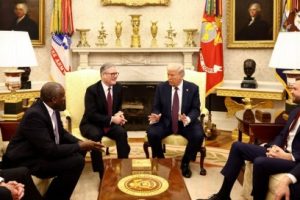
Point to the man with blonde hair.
(176, 109)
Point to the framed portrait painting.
(253, 23)
(24, 16)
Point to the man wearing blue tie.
(176, 109)
(279, 156)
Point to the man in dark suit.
(103, 115)
(23, 21)
(16, 183)
(280, 155)
(176, 109)
(43, 146)
(289, 185)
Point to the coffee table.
(116, 169)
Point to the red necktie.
(292, 126)
(109, 108)
(109, 102)
(175, 111)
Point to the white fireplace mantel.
(89, 57)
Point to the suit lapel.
(185, 93)
(169, 97)
(102, 96)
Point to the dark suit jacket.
(96, 106)
(279, 140)
(190, 102)
(27, 24)
(34, 139)
(258, 30)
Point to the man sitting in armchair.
(278, 156)
(176, 109)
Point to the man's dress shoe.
(186, 171)
(215, 197)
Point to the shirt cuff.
(292, 177)
(188, 119)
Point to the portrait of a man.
(23, 15)
(254, 20)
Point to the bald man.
(23, 21)
(43, 146)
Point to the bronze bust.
(249, 69)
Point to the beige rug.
(198, 186)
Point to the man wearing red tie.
(176, 109)
(278, 156)
(103, 115)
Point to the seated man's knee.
(259, 162)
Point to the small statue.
(154, 34)
(102, 36)
(118, 31)
(135, 37)
(249, 69)
(83, 40)
(171, 34)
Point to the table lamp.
(16, 50)
(286, 56)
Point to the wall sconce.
(16, 50)
(286, 56)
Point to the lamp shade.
(16, 49)
(286, 53)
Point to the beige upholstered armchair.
(75, 85)
(199, 78)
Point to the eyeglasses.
(113, 74)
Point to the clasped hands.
(16, 189)
(154, 118)
(276, 152)
(119, 118)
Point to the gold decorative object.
(154, 34)
(190, 37)
(135, 37)
(118, 31)
(144, 185)
(141, 164)
(102, 36)
(136, 2)
(171, 34)
(83, 41)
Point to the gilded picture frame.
(35, 13)
(239, 35)
(136, 2)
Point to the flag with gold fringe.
(211, 53)
(61, 32)
(290, 22)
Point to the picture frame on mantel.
(35, 23)
(262, 33)
(136, 2)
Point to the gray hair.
(50, 90)
(176, 66)
(105, 67)
(24, 6)
(257, 6)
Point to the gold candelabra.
(102, 36)
(171, 34)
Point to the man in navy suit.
(103, 115)
(43, 146)
(289, 185)
(176, 109)
(280, 155)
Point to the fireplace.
(137, 103)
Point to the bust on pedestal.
(249, 69)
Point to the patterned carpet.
(214, 156)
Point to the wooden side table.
(8, 129)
